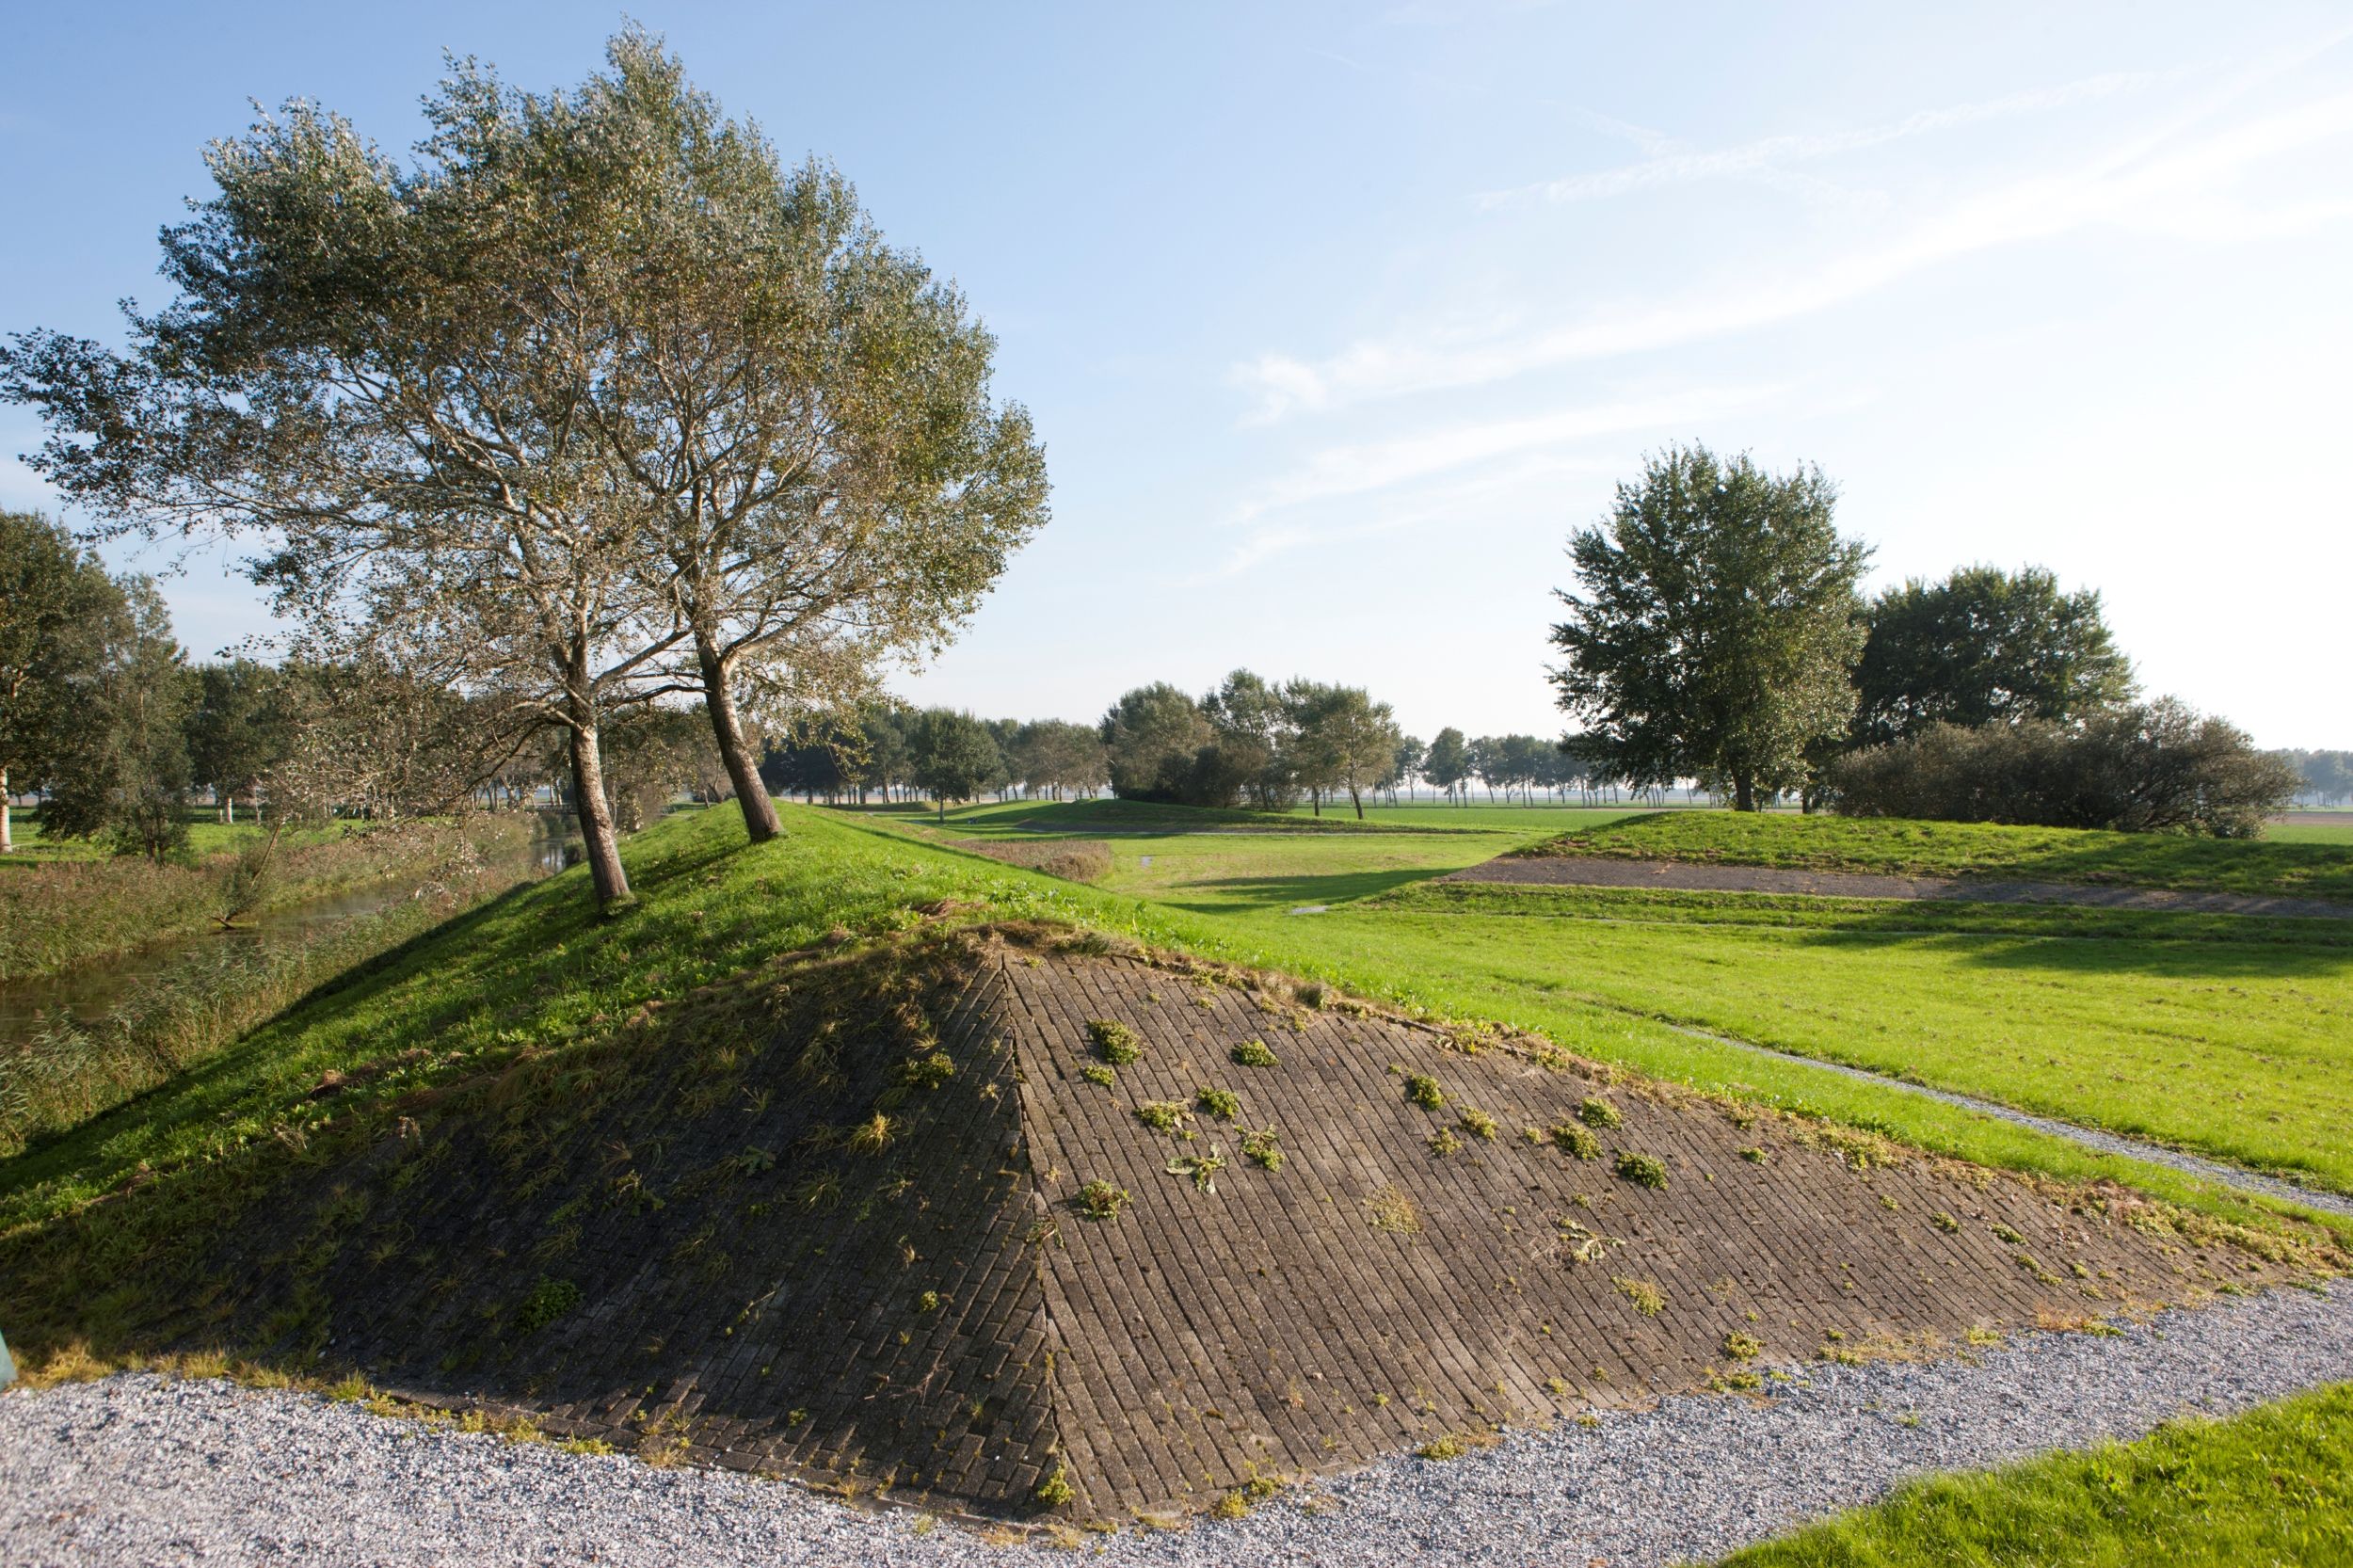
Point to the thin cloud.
(1669, 166)
(2144, 183)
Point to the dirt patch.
(1600, 872)
(1072, 859)
(1013, 1225)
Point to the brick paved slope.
(681, 1241)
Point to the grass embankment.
(1112, 815)
(2230, 1036)
(534, 975)
(1887, 846)
(60, 911)
(2269, 1487)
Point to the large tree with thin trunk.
(800, 414)
(388, 372)
(1715, 625)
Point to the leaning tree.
(1714, 624)
(799, 414)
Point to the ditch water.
(90, 991)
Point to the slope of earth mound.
(1001, 1222)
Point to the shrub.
(2157, 767)
(1642, 1170)
(1115, 1043)
(1254, 1053)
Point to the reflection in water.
(90, 991)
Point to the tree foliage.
(59, 610)
(1984, 647)
(1714, 625)
(953, 755)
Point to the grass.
(2239, 1043)
(2298, 867)
(2272, 1486)
(2225, 1034)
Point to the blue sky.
(1337, 318)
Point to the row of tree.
(595, 405)
(2326, 776)
(1717, 633)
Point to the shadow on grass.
(1285, 893)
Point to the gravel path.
(136, 1470)
(1596, 871)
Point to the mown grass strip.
(2271, 1487)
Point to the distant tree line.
(2327, 776)
(893, 752)
(1717, 633)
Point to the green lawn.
(2228, 1035)
(2298, 867)
(535, 972)
(2270, 1489)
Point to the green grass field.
(2271, 1487)
(2293, 866)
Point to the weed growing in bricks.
(1423, 1090)
(1094, 1072)
(1643, 1170)
(1114, 1042)
(1595, 1111)
(1101, 1200)
(1056, 1490)
(927, 1302)
(1254, 1053)
(2007, 1233)
(1202, 1168)
(1161, 1115)
(926, 1072)
(1389, 1209)
(1445, 1142)
(1261, 1149)
(1441, 1448)
(1479, 1125)
(1647, 1298)
(1945, 1222)
(549, 1300)
(1576, 1142)
(872, 1135)
(1754, 1156)
(1742, 1347)
(1222, 1103)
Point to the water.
(90, 991)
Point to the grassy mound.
(1888, 846)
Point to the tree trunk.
(595, 813)
(1357, 801)
(1743, 792)
(8, 845)
(760, 812)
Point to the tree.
(237, 729)
(1448, 762)
(1404, 765)
(1346, 740)
(954, 756)
(55, 606)
(801, 413)
(393, 373)
(122, 772)
(1152, 734)
(1255, 721)
(1714, 623)
(1985, 647)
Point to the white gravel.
(139, 1470)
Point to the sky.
(1337, 319)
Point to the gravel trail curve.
(140, 1470)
